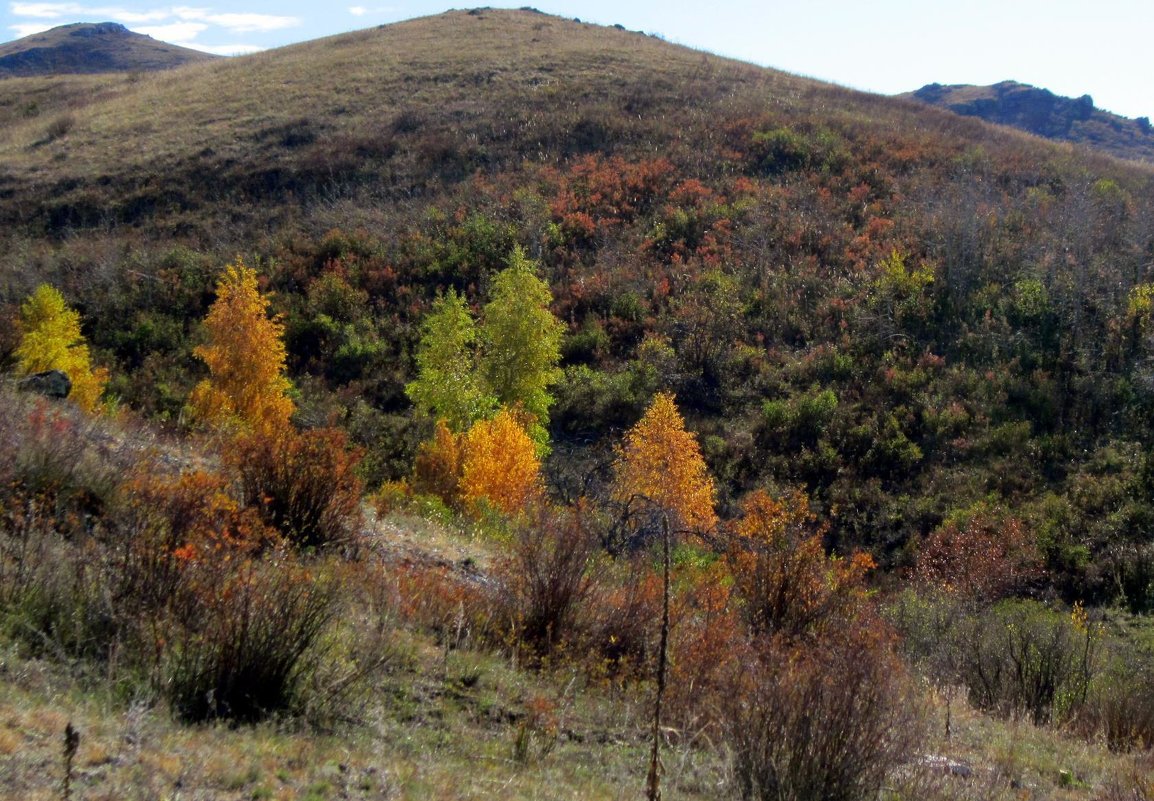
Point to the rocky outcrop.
(1043, 113)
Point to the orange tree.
(499, 464)
(660, 463)
(245, 354)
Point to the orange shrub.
(303, 484)
(781, 572)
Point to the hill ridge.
(91, 48)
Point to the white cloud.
(43, 10)
(174, 31)
(29, 28)
(360, 11)
(233, 22)
(239, 23)
(75, 10)
(222, 50)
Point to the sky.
(1071, 47)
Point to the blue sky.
(1072, 47)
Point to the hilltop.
(1043, 113)
(89, 48)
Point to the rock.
(51, 383)
(946, 766)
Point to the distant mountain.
(91, 48)
(1043, 113)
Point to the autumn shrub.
(499, 465)
(985, 557)
(451, 604)
(549, 579)
(828, 720)
(706, 633)
(437, 467)
(55, 595)
(303, 484)
(164, 521)
(1119, 706)
(242, 641)
(785, 581)
(627, 617)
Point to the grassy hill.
(898, 336)
(86, 48)
(1045, 114)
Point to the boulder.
(51, 383)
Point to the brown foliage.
(303, 484)
(828, 720)
(549, 578)
(985, 558)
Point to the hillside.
(88, 48)
(1043, 113)
(830, 268)
(459, 374)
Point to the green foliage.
(521, 342)
(448, 385)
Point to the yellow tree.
(660, 462)
(245, 355)
(51, 340)
(499, 464)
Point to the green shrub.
(1020, 658)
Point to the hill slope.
(920, 318)
(87, 48)
(1043, 113)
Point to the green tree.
(448, 386)
(521, 342)
(51, 340)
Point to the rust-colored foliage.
(985, 558)
(660, 462)
(302, 484)
(245, 354)
(437, 468)
(499, 464)
(706, 634)
(781, 572)
(174, 523)
(51, 340)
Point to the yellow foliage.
(51, 340)
(245, 355)
(661, 462)
(499, 464)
